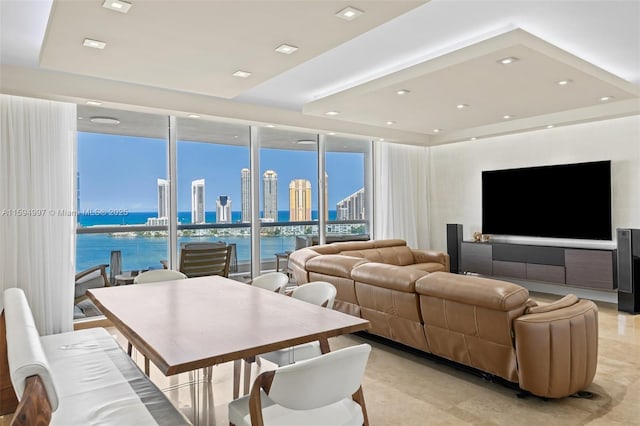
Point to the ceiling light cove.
(332, 113)
(349, 13)
(306, 142)
(117, 5)
(193, 116)
(508, 60)
(287, 49)
(95, 44)
(242, 74)
(403, 92)
(462, 106)
(94, 103)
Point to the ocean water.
(146, 252)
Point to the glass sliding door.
(213, 184)
(122, 208)
(288, 192)
(348, 170)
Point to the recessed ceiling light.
(550, 126)
(563, 82)
(241, 74)
(271, 126)
(94, 103)
(306, 142)
(606, 98)
(235, 136)
(193, 116)
(508, 60)
(506, 117)
(349, 13)
(462, 106)
(473, 139)
(94, 43)
(117, 5)
(80, 118)
(403, 92)
(437, 130)
(389, 123)
(104, 120)
(287, 49)
(332, 113)
(381, 139)
(331, 134)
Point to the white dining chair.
(319, 293)
(156, 275)
(272, 281)
(325, 390)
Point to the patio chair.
(323, 390)
(94, 277)
(204, 259)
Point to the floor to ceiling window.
(125, 188)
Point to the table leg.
(247, 376)
(324, 345)
(237, 366)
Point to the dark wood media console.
(576, 267)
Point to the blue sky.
(120, 172)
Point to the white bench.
(77, 378)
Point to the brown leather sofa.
(491, 325)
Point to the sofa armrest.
(426, 256)
(557, 350)
(298, 264)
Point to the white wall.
(455, 170)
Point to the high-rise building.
(299, 200)
(223, 209)
(270, 195)
(352, 207)
(197, 201)
(245, 190)
(163, 198)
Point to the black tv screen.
(563, 201)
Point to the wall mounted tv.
(562, 201)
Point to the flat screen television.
(562, 201)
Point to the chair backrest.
(320, 381)
(156, 275)
(199, 260)
(272, 281)
(319, 293)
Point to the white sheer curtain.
(401, 190)
(37, 203)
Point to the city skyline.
(121, 172)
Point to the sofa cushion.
(387, 276)
(334, 264)
(396, 255)
(485, 292)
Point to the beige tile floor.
(403, 387)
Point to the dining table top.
(193, 323)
